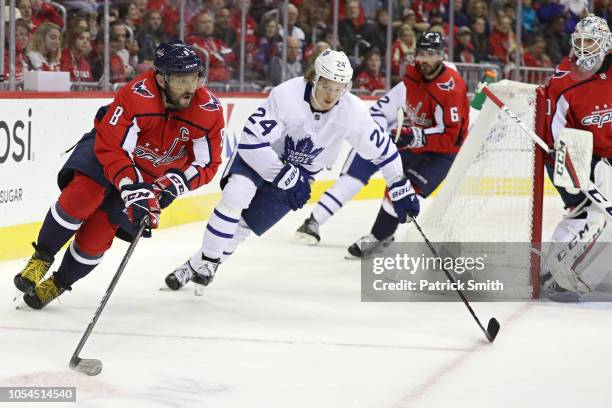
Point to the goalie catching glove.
(141, 202)
(292, 187)
(404, 199)
(170, 186)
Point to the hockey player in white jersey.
(293, 135)
(434, 97)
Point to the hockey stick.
(590, 190)
(92, 366)
(493, 326)
(399, 124)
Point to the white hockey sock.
(333, 199)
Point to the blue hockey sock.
(57, 229)
(385, 225)
(75, 266)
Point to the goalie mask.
(334, 66)
(591, 41)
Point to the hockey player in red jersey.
(579, 96)
(159, 138)
(434, 97)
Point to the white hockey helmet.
(335, 66)
(591, 41)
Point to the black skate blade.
(88, 366)
(492, 329)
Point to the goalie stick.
(92, 366)
(590, 190)
(493, 326)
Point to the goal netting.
(492, 193)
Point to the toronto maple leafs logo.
(213, 104)
(141, 89)
(447, 86)
(302, 152)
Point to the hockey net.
(493, 193)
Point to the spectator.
(171, 18)
(351, 30)
(251, 40)
(126, 50)
(74, 56)
(43, 51)
(313, 13)
(223, 31)
(461, 17)
(480, 41)
(311, 53)
(292, 29)
(557, 41)
(96, 59)
(44, 12)
(87, 6)
(509, 11)
(464, 51)
(269, 44)
(549, 9)
(502, 39)
(403, 50)
(149, 35)
(530, 19)
(25, 9)
(22, 38)
(294, 66)
(535, 55)
(129, 13)
(379, 30)
(219, 55)
(479, 9)
(77, 21)
(422, 8)
(370, 78)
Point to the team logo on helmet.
(213, 104)
(141, 89)
(448, 85)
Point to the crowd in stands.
(484, 32)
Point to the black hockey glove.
(170, 186)
(293, 187)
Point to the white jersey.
(285, 129)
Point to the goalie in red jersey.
(579, 96)
(159, 138)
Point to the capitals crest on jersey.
(213, 104)
(448, 85)
(302, 153)
(141, 89)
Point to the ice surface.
(283, 326)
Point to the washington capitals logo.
(213, 104)
(302, 153)
(141, 89)
(447, 86)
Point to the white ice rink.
(283, 326)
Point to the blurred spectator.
(43, 51)
(74, 56)
(171, 18)
(313, 12)
(113, 15)
(461, 17)
(293, 30)
(530, 19)
(579, 8)
(88, 6)
(479, 9)
(480, 41)
(25, 8)
(126, 49)
(313, 52)
(502, 39)
(143, 6)
(294, 66)
(149, 35)
(44, 12)
(557, 41)
(422, 8)
(403, 49)
(354, 33)
(219, 55)
(96, 59)
(223, 31)
(509, 10)
(129, 13)
(549, 9)
(269, 44)
(464, 51)
(379, 30)
(22, 38)
(534, 55)
(251, 41)
(370, 78)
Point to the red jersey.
(366, 80)
(79, 68)
(220, 56)
(139, 139)
(581, 104)
(440, 107)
